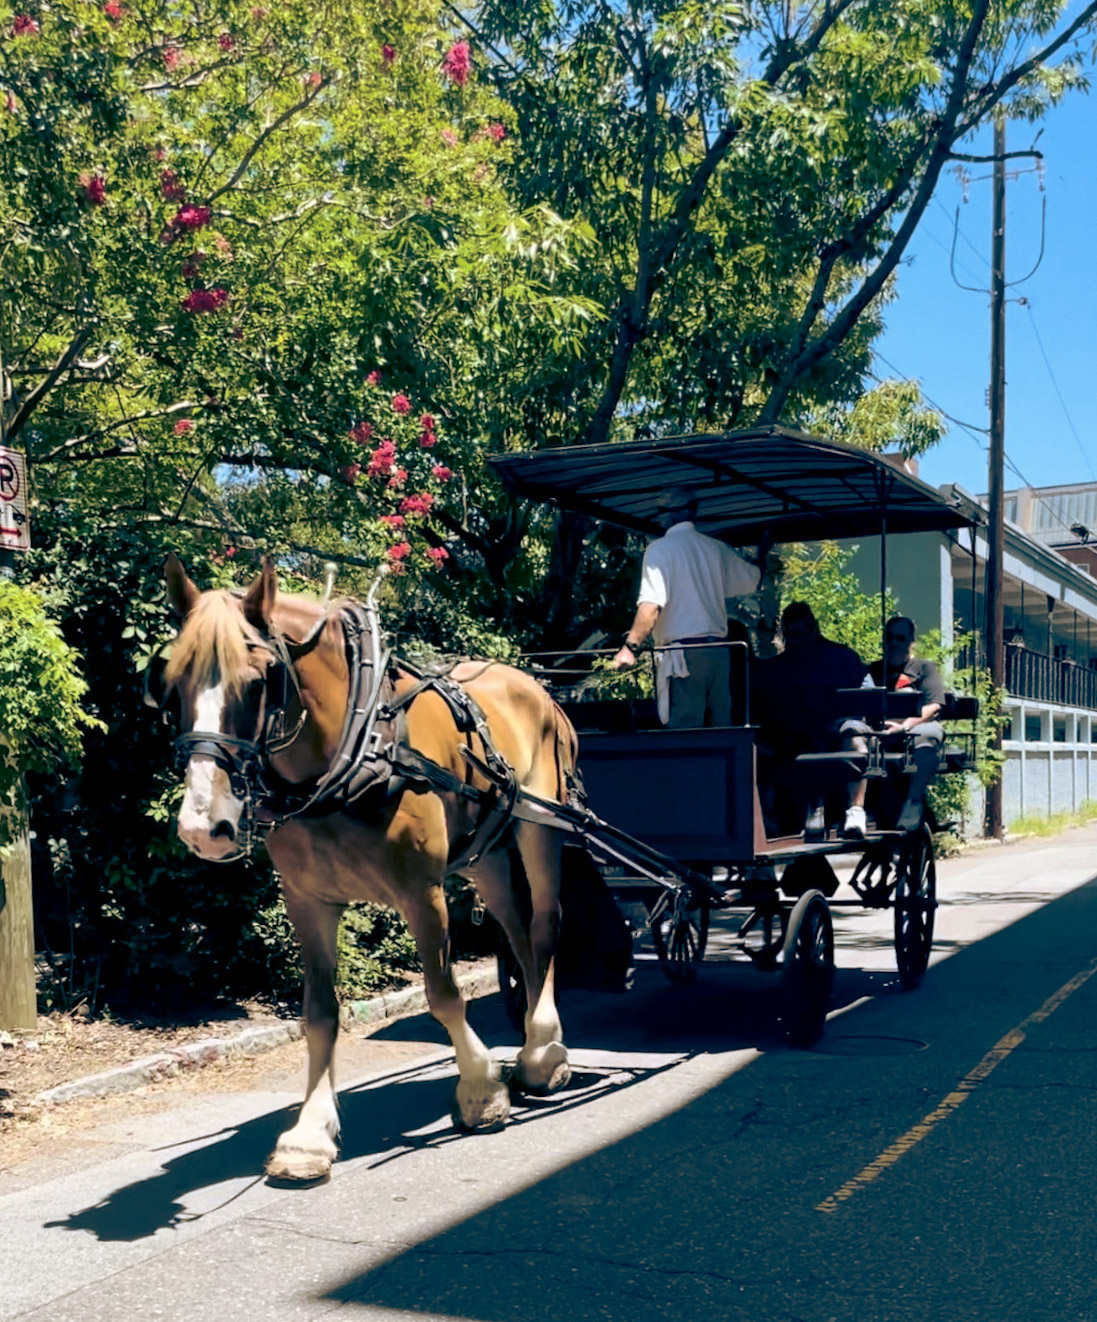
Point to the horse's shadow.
(383, 1118)
(389, 1116)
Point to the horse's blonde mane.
(211, 646)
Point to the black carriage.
(672, 817)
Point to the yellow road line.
(955, 1099)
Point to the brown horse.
(396, 853)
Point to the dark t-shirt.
(917, 673)
(795, 692)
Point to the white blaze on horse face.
(208, 801)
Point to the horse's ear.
(181, 591)
(259, 603)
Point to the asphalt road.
(933, 1158)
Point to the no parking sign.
(14, 522)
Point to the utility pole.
(995, 618)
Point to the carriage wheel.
(512, 986)
(680, 931)
(808, 976)
(915, 905)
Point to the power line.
(972, 431)
(1027, 305)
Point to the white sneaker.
(856, 824)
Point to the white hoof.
(298, 1164)
(542, 1069)
(481, 1106)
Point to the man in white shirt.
(685, 585)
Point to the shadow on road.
(728, 1007)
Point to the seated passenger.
(794, 704)
(899, 669)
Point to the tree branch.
(823, 345)
(55, 373)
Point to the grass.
(1052, 823)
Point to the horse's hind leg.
(483, 1101)
(543, 1061)
(305, 1151)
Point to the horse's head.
(222, 672)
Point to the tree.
(262, 242)
(753, 174)
(257, 276)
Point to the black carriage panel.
(688, 793)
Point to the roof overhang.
(764, 482)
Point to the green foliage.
(817, 574)
(42, 719)
(375, 946)
(949, 796)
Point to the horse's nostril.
(223, 829)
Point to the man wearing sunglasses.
(898, 670)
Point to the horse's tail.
(566, 750)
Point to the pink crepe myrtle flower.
(388, 53)
(361, 432)
(401, 404)
(10, 103)
(398, 478)
(428, 440)
(226, 41)
(374, 378)
(393, 520)
(381, 461)
(313, 79)
(113, 10)
(418, 504)
(206, 300)
(170, 187)
(441, 473)
(230, 552)
(182, 426)
(496, 132)
(438, 554)
(449, 137)
(427, 422)
(22, 25)
(456, 64)
(349, 472)
(93, 189)
(171, 56)
(192, 217)
(400, 551)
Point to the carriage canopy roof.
(767, 480)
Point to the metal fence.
(1049, 679)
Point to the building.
(1050, 610)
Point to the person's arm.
(639, 632)
(933, 691)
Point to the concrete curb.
(478, 981)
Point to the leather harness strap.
(375, 759)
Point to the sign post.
(18, 1008)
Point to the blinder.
(156, 694)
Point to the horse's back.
(528, 726)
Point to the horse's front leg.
(305, 1151)
(483, 1100)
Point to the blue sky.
(939, 334)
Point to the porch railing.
(1049, 679)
